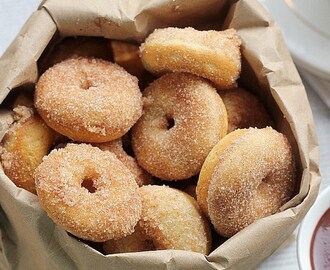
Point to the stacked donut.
(157, 169)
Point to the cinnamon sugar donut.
(136, 242)
(183, 119)
(88, 192)
(24, 145)
(127, 56)
(88, 100)
(244, 110)
(214, 55)
(171, 219)
(116, 147)
(248, 175)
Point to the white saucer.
(306, 28)
(307, 228)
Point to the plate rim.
(298, 58)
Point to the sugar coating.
(244, 110)
(207, 169)
(21, 114)
(24, 145)
(199, 117)
(254, 176)
(116, 147)
(214, 55)
(110, 212)
(171, 219)
(88, 100)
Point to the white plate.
(307, 228)
(306, 28)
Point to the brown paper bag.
(30, 240)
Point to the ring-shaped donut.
(214, 55)
(248, 175)
(183, 118)
(88, 192)
(171, 219)
(88, 100)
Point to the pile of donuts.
(151, 147)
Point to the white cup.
(308, 226)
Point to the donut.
(244, 110)
(88, 100)
(183, 118)
(171, 219)
(214, 55)
(24, 145)
(248, 175)
(88, 192)
(136, 242)
(116, 147)
(127, 56)
(75, 47)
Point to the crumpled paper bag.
(30, 240)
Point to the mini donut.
(88, 100)
(88, 192)
(214, 55)
(127, 56)
(136, 242)
(171, 219)
(24, 145)
(116, 147)
(248, 175)
(75, 47)
(183, 118)
(244, 110)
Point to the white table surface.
(13, 14)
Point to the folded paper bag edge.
(91, 258)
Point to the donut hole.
(170, 122)
(88, 184)
(264, 186)
(86, 84)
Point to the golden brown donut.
(88, 100)
(171, 219)
(183, 119)
(136, 242)
(116, 147)
(88, 192)
(214, 55)
(24, 145)
(248, 175)
(244, 110)
(127, 56)
(75, 47)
